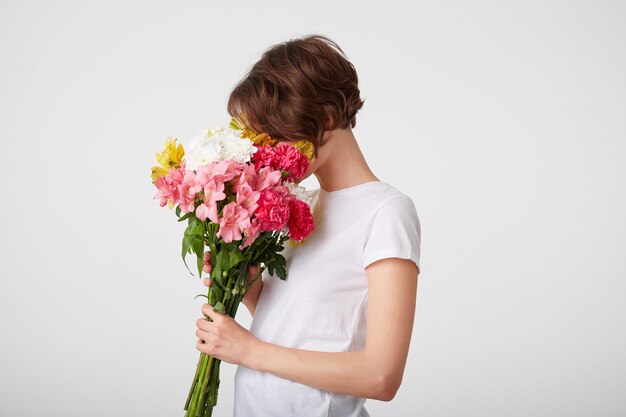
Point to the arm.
(251, 298)
(375, 372)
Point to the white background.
(504, 121)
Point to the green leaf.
(277, 265)
(220, 307)
(225, 258)
(186, 216)
(198, 248)
(198, 228)
(235, 257)
(217, 293)
(200, 265)
(178, 211)
(187, 239)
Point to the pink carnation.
(291, 160)
(282, 157)
(273, 210)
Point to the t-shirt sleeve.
(394, 232)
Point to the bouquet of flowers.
(237, 190)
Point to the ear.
(328, 122)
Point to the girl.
(337, 331)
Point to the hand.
(225, 339)
(252, 293)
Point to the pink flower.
(292, 160)
(168, 186)
(234, 220)
(284, 192)
(257, 179)
(284, 157)
(248, 177)
(252, 232)
(247, 197)
(267, 177)
(264, 156)
(165, 187)
(213, 192)
(234, 168)
(273, 210)
(220, 171)
(188, 189)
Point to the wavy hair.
(297, 90)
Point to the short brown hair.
(295, 86)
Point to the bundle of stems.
(202, 397)
(231, 280)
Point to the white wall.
(504, 121)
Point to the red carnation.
(264, 156)
(300, 220)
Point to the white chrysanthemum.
(235, 147)
(203, 149)
(300, 192)
(203, 155)
(218, 144)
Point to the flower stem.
(194, 403)
(205, 382)
(193, 384)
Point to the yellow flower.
(171, 157)
(173, 154)
(294, 243)
(158, 172)
(264, 139)
(306, 147)
(235, 124)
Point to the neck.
(345, 165)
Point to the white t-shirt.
(322, 305)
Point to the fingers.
(206, 262)
(207, 310)
(203, 325)
(207, 282)
(253, 269)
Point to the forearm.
(351, 373)
(251, 300)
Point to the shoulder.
(394, 229)
(392, 199)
